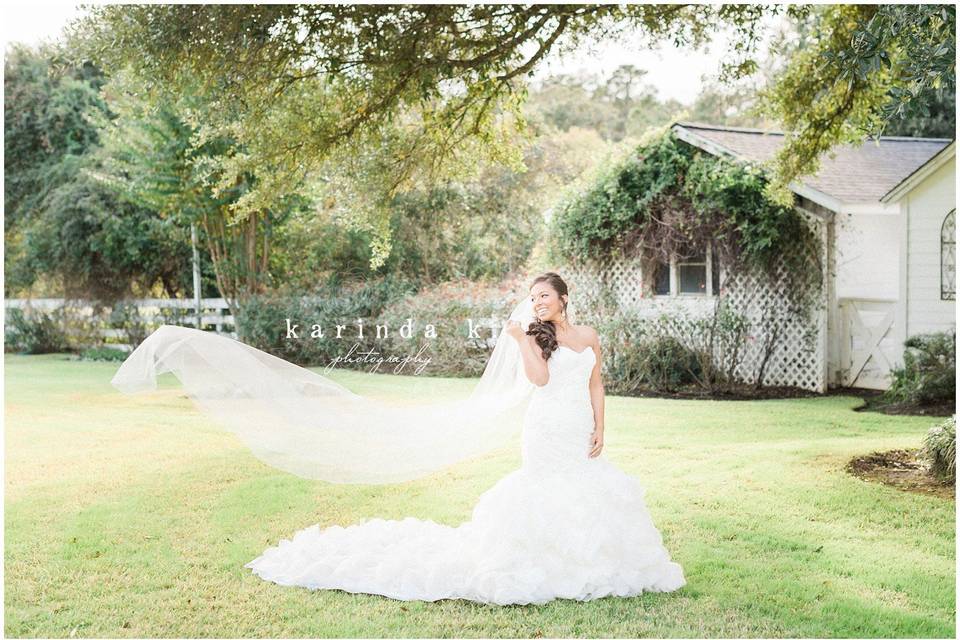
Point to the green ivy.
(726, 202)
(731, 196)
(670, 197)
(591, 223)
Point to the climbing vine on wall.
(669, 197)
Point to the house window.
(661, 285)
(948, 257)
(692, 274)
(714, 273)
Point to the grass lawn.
(132, 516)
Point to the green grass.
(132, 516)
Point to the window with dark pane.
(715, 273)
(948, 257)
(692, 273)
(662, 280)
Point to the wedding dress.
(563, 525)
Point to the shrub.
(643, 352)
(664, 363)
(36, 331)
(715, 341)
(133, 327)
(261, 321)
(940, 449)
(108, 354)
(451, 308)
(620, 330)
(637, 355)
(928, 374)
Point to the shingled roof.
(854, 174)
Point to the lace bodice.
(569, 372)
(559, 420)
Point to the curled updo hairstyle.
(545, 332)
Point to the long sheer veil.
(304, 423)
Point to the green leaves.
(416, 92)
(869, 68)
(724, 201)
(587, 224)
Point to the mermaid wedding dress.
(563, 525)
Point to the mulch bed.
(872, 398)
(873, 401)
(744, 392)
(902, 469)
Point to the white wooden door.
(869, 343)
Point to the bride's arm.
(533, 363)
(597, 396)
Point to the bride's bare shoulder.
(588, 333)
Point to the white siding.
(927, 205)
(867, 255)
(868, 268)
(877, 246)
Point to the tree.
(939, 120)
(431, 90)
(63, 232)
(867, 67)
(476, 227)
(153, 157)
(618, 107)
(407, 90)
(568, 101)
(43, 122)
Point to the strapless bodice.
(559, 421)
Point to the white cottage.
(885, 214)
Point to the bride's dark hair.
(545, 332)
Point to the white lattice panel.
(799, 357)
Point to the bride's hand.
(515, 330)
(596, 443)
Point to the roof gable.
(914, 179)
(855, 174)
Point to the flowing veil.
(304, 423)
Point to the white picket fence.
(215, 314)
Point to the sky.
(36, 21)
(675, 73)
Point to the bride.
(566, 524)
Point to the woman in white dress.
(566, 524)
